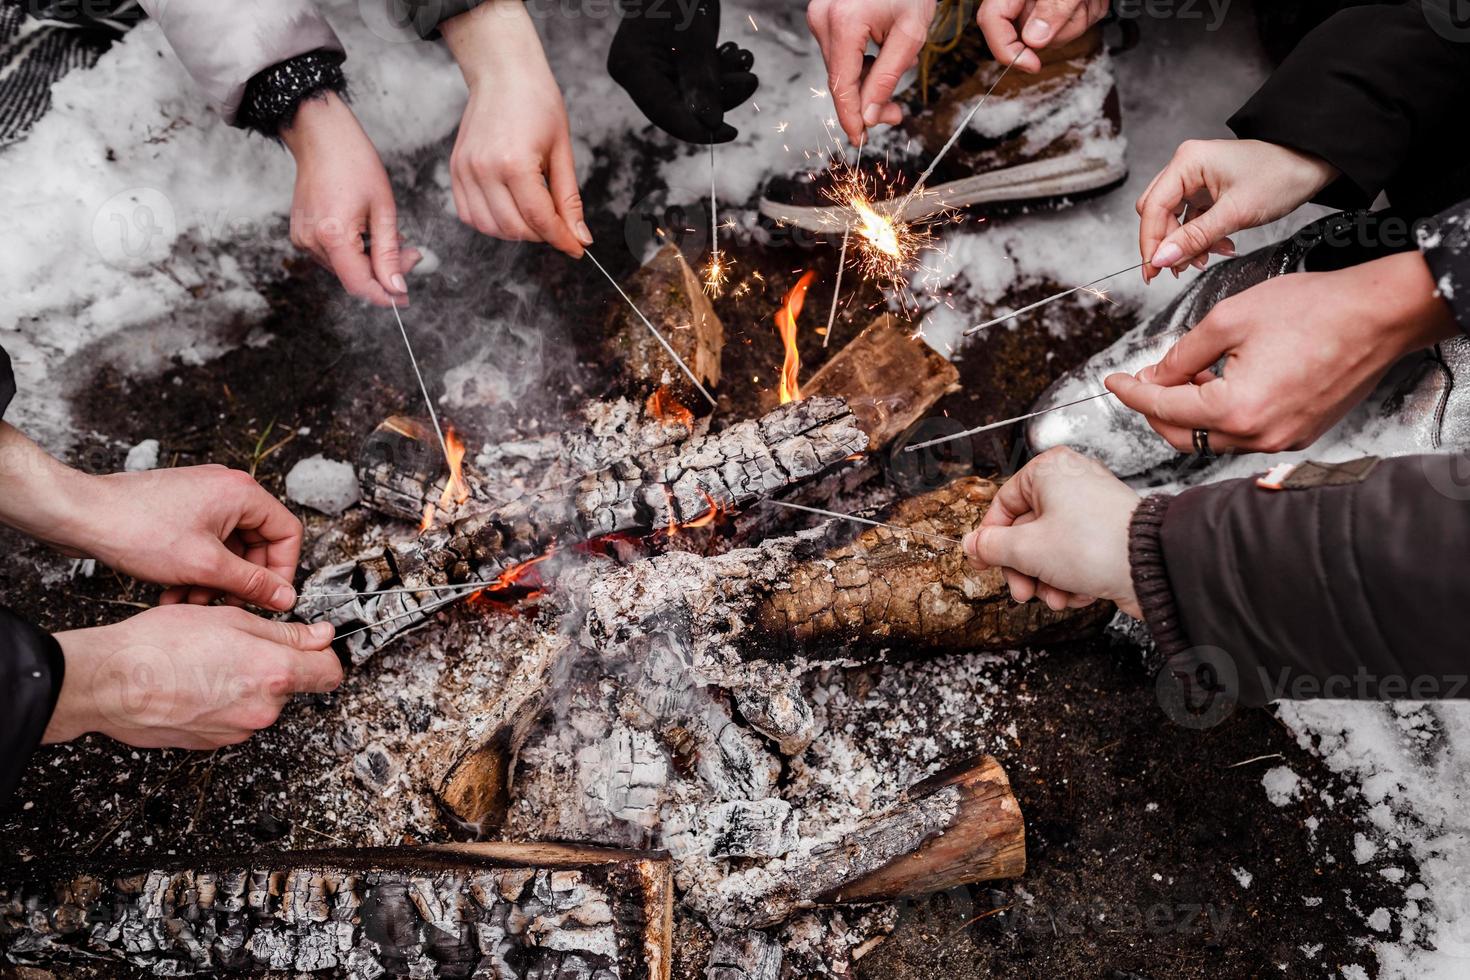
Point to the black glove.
(671, 62)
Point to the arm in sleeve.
(223, 45)
(425, 16)
(1365, 91)
(31, 672)
(1445, 243)
(1350, 591)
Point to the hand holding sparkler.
(863, 94)
(1011, 27)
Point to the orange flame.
(709, 516)
(456, 491)
(663, 406)
(786, 325)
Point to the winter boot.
(1044, 137)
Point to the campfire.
(665, 621)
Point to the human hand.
(206, 531)
(187, 677)
(678, 73)
(842, 29)
(1228, 185)
(1058, 530)
(342, 196)
(512, 170)
(1015, 29)
(1300, 350)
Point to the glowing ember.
(709, 516)
(786, 325)
(663, 406)
(456, 491)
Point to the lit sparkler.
(716, 270)
(886, 247)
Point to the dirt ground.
(1142, 834)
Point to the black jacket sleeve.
(1349, 591)
(425, 16)
(1379, 92)
(1445, 242)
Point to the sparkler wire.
(1002, 423)
(714, 211)
(421, 610)
(433, 415)
(1050, 299)
(955, 136)
(403, 591)
(864, 520)
(842, 256)
(652, 329)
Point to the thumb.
(1195, 237)
(247, 581)
(386, 259)
(566, 194)
(997, 546)
(1046, 19)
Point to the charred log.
(888, 377)
(504, 910)
(666, 488)
(670, 294)
(957, 828)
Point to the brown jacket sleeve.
(1352, 591)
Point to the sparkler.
(715, 271)
(433, 416)
(1050, 299)
(857, 164)
(651, 329)
(403, 591)
(1002, 423)
(864, 520)
(419, 611)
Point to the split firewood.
(889, 377)
(503, 910)
(670, 294)
(668, 488)
(886, 588)
(956, 828)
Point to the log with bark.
(667, 488)
(494, 910)
(888, 376)
(669, 293)
(956, 828)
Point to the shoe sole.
(1040, 180)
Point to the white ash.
(325, 485)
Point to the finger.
(298, 636)
(849, 39)
(1186, 406)
(1156, 210)
(1196, 236)
(735, 88)
(1018, 584)
(537, 209)
(567, 194)
(315, 672)
(1055, 599)
(1178, 437)
(503, 208)
(1004, 547)
(385, 248)
(174, 595)
(199, 596)
(480, 217)
(408, 259)
(1013, 501)
(265, 522)
(898, 53)
(244, 580)
(997, 20)
(355, 271)
(1079, 601)
(734, 58)
(1197, 351)
(1046, 19)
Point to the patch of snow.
(326, 485)
(143, 456)
(1243, 876)
(1282, 785)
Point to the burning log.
(671, 295)
(886, 588)
(502, 910)
(956, 828)
(888, 377)
(668, 488)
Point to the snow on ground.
(143, 229)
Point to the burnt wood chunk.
(889, 378)
(745, 955)
(671, 486)
(499, 910)
(670, 294)
(956, 828)
(887, 588)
